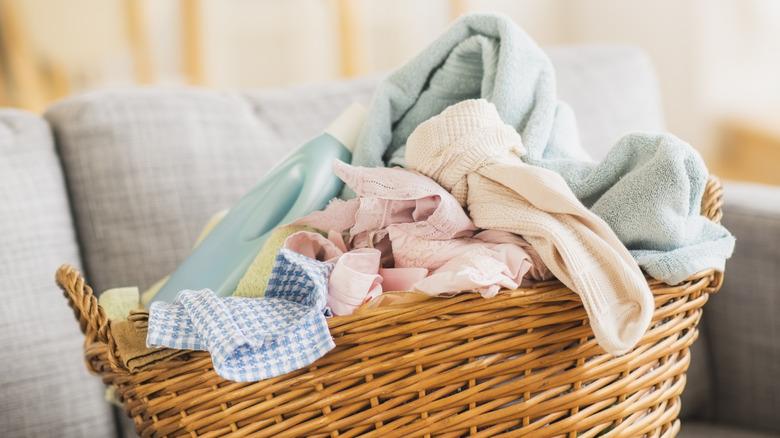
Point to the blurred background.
(718, 61)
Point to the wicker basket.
(524, 363)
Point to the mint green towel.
(648, 188)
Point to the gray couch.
(120, 182)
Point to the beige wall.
(713, 57)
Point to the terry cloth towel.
(648, 188)
(251, 339)
(473, 154)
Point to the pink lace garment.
(423, 238)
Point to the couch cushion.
(709, 430)
(742, 319)
(46, 390)
(697, 396)
(612, 90)
(146, 168)
(298, 114)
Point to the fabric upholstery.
(612, 89)
(147, 168)
(297, 114)
(742, 319)
(712, 430)
(697, 398)
(46, 390)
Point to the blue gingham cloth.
(252, 339)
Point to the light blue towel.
(648, 188)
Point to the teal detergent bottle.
(302, 183)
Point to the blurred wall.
(713, 57)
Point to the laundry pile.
(487, 189)
(405, 232)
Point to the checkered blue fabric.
(251, 339)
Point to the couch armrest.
(743, 320)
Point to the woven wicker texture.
(521, 364)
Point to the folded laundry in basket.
(471, 152)
(648, 188)
(251, 339)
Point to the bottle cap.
(347, 126)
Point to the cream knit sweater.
(473, 154)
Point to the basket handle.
(91, 317)
(712, 208)
(712, 201)
(92, 320)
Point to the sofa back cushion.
(147, 168)
(46, 390)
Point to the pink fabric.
(538, 270)
(507, 249)
(487, 262)
(401, 279)
(421, 232)
(337, 240)
(354, 280)
(355, 277)
(315, 245)
(338, 216)
(470, 271)
(391, 196)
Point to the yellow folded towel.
(255, 279)
(118, 302)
